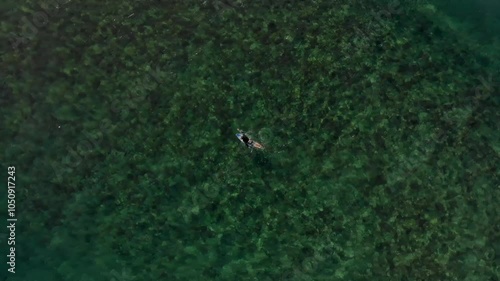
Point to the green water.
(380, 122)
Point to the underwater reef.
(380, 121)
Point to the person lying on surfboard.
(250, 143)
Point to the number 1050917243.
(11, 184)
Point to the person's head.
(245, 138)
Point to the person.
(250, 143)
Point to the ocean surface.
(379, 120)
